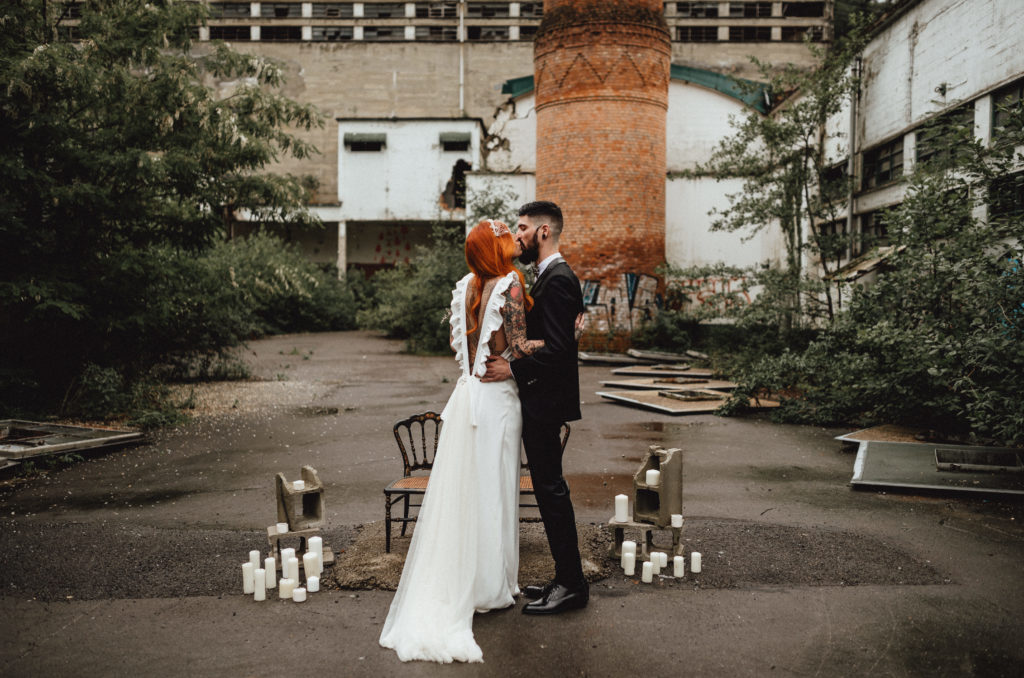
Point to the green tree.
(116, 151)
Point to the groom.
(549, 390)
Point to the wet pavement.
(126, 563)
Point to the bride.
(464, 554)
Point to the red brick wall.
(601, 72)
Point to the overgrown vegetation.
(119, 171)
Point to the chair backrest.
(417, 441)
(566, 430)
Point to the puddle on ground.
(598, 490)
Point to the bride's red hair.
(490, 256)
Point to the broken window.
(797, 33)
(750, 33)
(1006, 197)
(230, 10)
(384, 10)
(874, 231)
(697, 10)
(280, 10)
(331, 33)
(803, 9)
(487, 32)
(454, 196)
(332, 10)
(697, 33)
(455, 141)
(236, 33)
(749, 10)
(280, 33)
(531, 9)
(527, 32)
(443, 33)
(487, 10)
(883, 164)
(363, 142)
(72, 10)
(436, 10)
(383, 33)
(1004, 102)
(936, 140)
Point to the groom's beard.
(531, 251)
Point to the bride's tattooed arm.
(514, 314)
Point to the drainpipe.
(462, 57)
(850, 164)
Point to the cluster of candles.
(257, 580)
(622, 509)
(658, 560)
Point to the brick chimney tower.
(601, 73)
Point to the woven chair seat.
(410, 483)
(525, 484)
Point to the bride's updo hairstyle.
(490, 249)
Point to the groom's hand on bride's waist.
(497, 369)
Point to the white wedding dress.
(464, 554)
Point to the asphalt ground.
(126, 564)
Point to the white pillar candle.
(285, 555)
(293, 568)
(656, 562)
(282, 528)
(299, 485)
(621, 508)
(678, 567)
(299, 595)
(648, 573)
(677, 520)
(313, 584)
(247, 580)
(653, 476)
(664, 559)
(695, 562)
(628, 548)
(260, 582)
(285, 588)
(309, 564)
(270, 565)
(629, 563)
(316, 545)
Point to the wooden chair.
(417, 439)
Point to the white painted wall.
(511, 144)
(969, 46)
(698, 118)
(403, 182)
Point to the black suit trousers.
(542, 440)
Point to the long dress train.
(464, 553)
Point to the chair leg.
(387, 524)
(405, 515)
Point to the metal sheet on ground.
(26, 439)
(931, 466)
(663, 371)
(653, 400)
(671, 384)
(596, 358)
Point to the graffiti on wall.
(621, 305)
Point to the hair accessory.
(498, 228)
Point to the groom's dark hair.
(545, 209)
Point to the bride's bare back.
(513, 329)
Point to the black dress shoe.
(559, 599)
(538, 591)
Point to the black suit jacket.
(548, 380)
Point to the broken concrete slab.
(21, 439)
(599, 358)
(671, 384)
(938, 467)
(671, 402)
(663, 370)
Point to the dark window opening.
(527, 32)
(454, 196)
(797, 33)
(331, 33)
(803, 9)
(236, 33)
(443, 33)
(364, 143)
(833, 240)
(937, 140)
(697, 10)
(280, 10)
(72, 10)
(531, 9)
(750, 33)
(436, 10)
(1006, 197)
(487, 33)
(697, 33)
(383, 33)
(1005, 103)
(455, 141)
(883, 164)
(384, 10)
(874, 231)
(332, 10)
(749, 10)
(230, 10)
(280, 33)
(487, 10)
